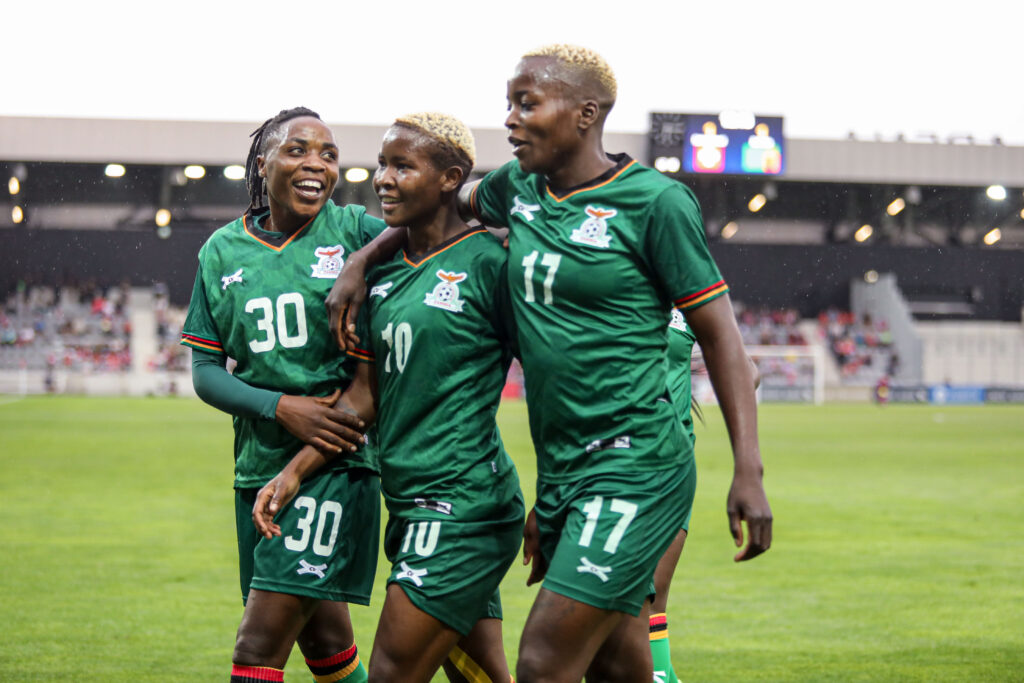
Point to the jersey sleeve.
(199, 331)
(489, 199)
(677, 250)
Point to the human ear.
(590, 112)
(261, 166)
(451, 178)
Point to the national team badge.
(446, 294)
(594, 231)
(329, 262)
(523, 208)
(678, 321)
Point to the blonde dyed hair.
(445, 129)
(583, 61)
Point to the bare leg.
(410, 644)
(270, 624)
(664, 571)
(561, 637)
(626, 654)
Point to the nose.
(382, 178)
(313, 161)
(512, 120)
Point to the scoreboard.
(729, 142)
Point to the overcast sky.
(871, 67)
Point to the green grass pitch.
(898, 551)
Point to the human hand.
(277, 493)
(344, 301)
(531, 550)
(748, 502)
(316, 421)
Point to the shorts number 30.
(326, 525)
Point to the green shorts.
(603, 536)
(450, 569)
(328, 544)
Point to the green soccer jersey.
(439, 333)
(259, 299)
(680, 350)
(593, 273)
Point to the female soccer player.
(258, 299)
(599, 249)
(437, 333)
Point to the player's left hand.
(277, 493)
(748, 503)
(531, 550)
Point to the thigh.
(410, 644)
(561, 637)
(664, 571)
(329, 540)
(625, 655)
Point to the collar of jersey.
(254, 229)
(622, 162)
(447, 244)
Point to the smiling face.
(301, 167)
(407, 181)
(543, 116)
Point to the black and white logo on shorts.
(410, 574)
(588, 567)
(307, 568)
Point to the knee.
(532, 668)
(251, 650)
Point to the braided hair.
(262, 137)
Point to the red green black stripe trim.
(703, 295)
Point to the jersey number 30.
(263, 306)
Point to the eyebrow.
(304, 141)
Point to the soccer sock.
(255, 674)
(469, 669)
(660, 652)
(344, 666)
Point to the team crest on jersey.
(446, 294)
(231, 279)
(594, 230)
(523, 208)
(329, 262)
(678, 321)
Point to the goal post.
(789, 374)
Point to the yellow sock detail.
(469, 669)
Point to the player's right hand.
(344, 301)
(277, 493)
(316, 421)
(531, 550)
